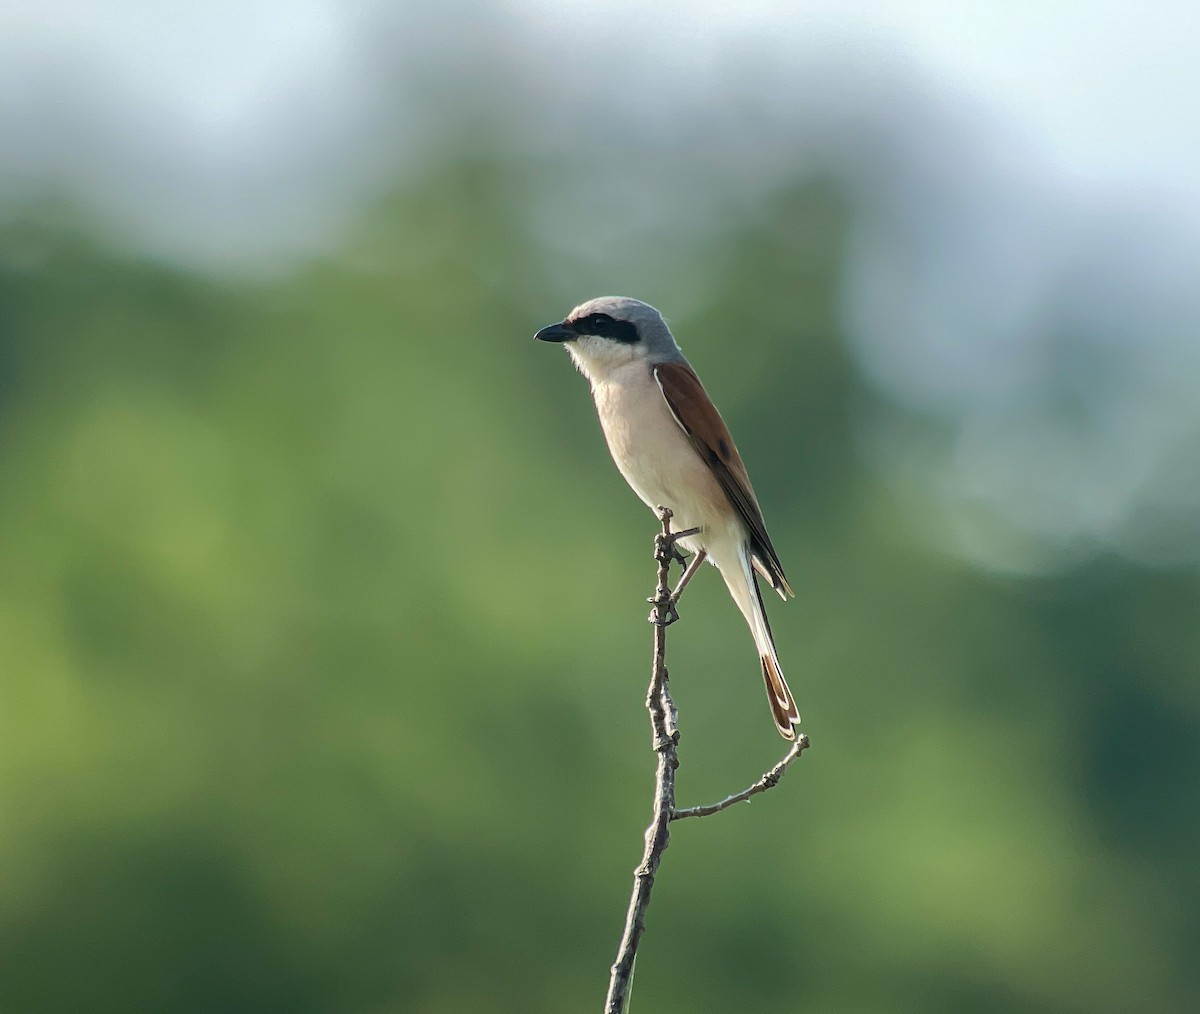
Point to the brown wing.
(694, 411)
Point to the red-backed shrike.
(671, 444)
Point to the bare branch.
(664, 731)
(665, 737)
(767, 781)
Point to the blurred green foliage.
(323, 650)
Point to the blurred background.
(322, 607)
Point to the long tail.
(740, 580)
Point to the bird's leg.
(666, 542)
(667, 550)
(688, 574)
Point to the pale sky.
(211, 130)
(1108, 91)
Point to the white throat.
(598, 358)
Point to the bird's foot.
(664, 612)
(666, 545)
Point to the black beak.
(555, 333)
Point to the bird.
(674, 450)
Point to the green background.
(323, 646)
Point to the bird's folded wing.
(694, 411)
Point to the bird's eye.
(599, 322)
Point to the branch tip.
(664, 737)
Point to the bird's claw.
(664, 613)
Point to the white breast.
(656, 456)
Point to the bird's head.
(605, 333)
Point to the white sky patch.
(1039, 176)
(1108, 89)
(1102, 92)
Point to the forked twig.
(767, 781)
(665, 739)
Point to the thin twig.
(665, 737)
(664, 730)
(767, 781)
